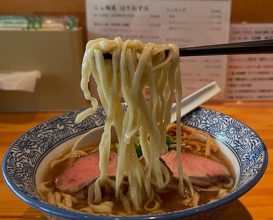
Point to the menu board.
(185, 23)
(250, 77)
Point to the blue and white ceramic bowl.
(25, 161)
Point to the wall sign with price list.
(185, 23)
(250, 77)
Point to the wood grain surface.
(257, 204)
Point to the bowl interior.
(26, 160)
(69, 143)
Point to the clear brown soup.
(171, 200)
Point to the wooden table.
(256, 204)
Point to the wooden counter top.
(257, 204)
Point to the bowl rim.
(60, 212)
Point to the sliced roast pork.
(202, 171)
(83, 172)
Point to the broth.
(171, 199)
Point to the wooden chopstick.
(247, 47)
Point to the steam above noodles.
(133, 68)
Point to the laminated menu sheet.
(183, 22)
(250, 77)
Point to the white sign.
(250, 77)
(185, 23)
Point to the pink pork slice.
(202, 171)
(83, 172)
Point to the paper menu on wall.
(250, 77)
(185, 23)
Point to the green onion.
(138, 149)
(169, 141)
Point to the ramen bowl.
(27, 158)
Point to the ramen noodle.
(133, 68)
